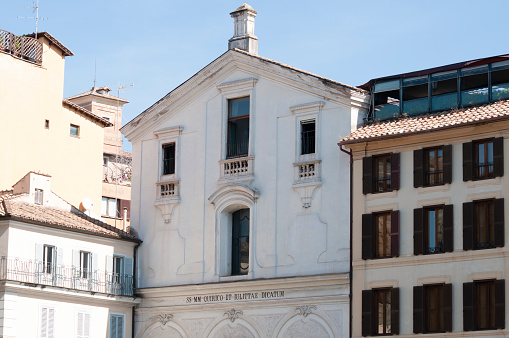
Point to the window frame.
(48, 308)
(39, 196)
(489, 230)
(237, 256)
(76, 128)
(435, 173)
(387, 178)
(49, 266)
(117, 316)
(108, 201)
(439, 293)
(307, 138)
(237, 118)
(491, 309)
(386, 226)
(427, 210)
(477, 165)
(85, 272)
(387, 292)
(172, 161)
(86, 314)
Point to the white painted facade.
(70, 303)
(298, 205)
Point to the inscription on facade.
(235, 296)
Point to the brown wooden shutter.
(468, 167)
(367, 314)
(448, 228)
(395, 171)
(418, 231)
(395, 310)
(367, 236)
(447, 163)
(468, 226)
(125, 204)
(367, 175)
(448, 307)
(500, 304)
(418, 168)
(395, 233)
(468, 307)
(498, 156)
(418, 309)
(498, 206)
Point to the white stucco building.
(62, 273)
(241, 197)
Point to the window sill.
(433, 188)
(75, 136)
(234, 278)
(380, 195)
(482, 182)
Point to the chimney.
(243, 37)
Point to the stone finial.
(243, 36)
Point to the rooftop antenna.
(120, 89)
(36, 17)
(95, 71)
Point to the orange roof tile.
(430, 122)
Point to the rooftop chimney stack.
(243, 37)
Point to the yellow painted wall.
(30, 94)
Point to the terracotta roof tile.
(425, 123)
(82, 110)
(71, 220)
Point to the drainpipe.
(134, 286)
(351, 231)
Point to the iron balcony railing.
(24, 47)
(69, 277)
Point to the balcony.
(22, 47)
(68, 277)
(238, 169)
(305, 172)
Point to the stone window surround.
(165, 136)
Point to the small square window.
(75, 130)
(46, 124)
(38, 196)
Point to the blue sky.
(158, 44)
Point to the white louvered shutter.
(44, 322)
(51, 323)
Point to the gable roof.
(13, 207)
(324, 84)
(87, 112)
(95, 92)
(404, 126)
(65, 51)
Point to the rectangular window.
(49, 258)
(485, 305)
(387, 99)
(39, 196)
(307, 137)
(240, 242)
(500, 81)
(85, 264)
(118, 268)
(484, 224)
(106, 161)
(83, 327)
(434, 230)
(382, 173)
(434, 172)
(383, 235)
(444, 90)
(109, 207)
(46, 124)
(434, 308)
(483, 160)
(237, 143)
(47, 322)
(474, 85)
(75, 130)
(116, 326)
(415, 95)
(382, 311)
(169, 159)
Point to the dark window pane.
(434, 171)
(238, 107)
(169, 159)
(238, 127)
(307, 130)
(386, 104)
(483, 161)
(485, 305)
(484, 225)
(240, 242)
(383, 235)
(474, 88)
(382, 311)
(382, 173)
(434, 308)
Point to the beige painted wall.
(29, 95)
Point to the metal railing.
(69, 277)
(24, 47)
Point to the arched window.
(240, 242)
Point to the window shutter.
(447, 163)
(418, 309)
(498, 206)
(95, 262)
(395, 171)
(418, 168)
(60, 256)
(51, 323)
(395, 310)
(44, 322)
(418, 231)
(367, 316)
(120, 326)
(38, 261)
(367, 175)
(76, 259)
(500, 304)
(113, 326)
(109, 264)
(448, 307)
(498, 156)
(80, 324)
(86, 326)
(395, 233)
(367, 236)
(448, 228)
(468, 307)
(468, 168)
(128, 266)
(468, 226)
(38, 252)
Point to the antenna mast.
(36, 17)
